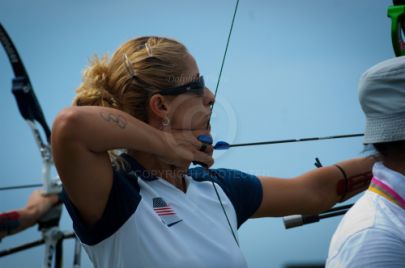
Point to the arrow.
(222, 145)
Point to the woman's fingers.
(204, 158)
(205, 148)
(185, 147)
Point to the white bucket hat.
(382, 98)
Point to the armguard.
(9, 221)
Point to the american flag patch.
(165, 212)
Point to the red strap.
(12, 215)
(353, 183)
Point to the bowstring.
(224, 57)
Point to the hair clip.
(128, 65)
(148, 49)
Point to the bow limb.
(30, 110)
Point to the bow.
(31, 111)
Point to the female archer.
(123, 152)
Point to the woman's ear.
(159, 106)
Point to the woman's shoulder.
(244, 190)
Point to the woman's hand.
(183, 147)
(39, 204)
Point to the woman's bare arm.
(314, 191)
(81, 137)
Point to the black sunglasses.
(196, 86)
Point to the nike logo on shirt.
(173, 223)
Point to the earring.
(165, 123)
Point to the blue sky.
(291, 71)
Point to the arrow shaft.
(296, 140)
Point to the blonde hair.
(137, 69)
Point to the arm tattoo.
(118, 120)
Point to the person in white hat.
(372, 233)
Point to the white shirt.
(372, 233)
(148, 222)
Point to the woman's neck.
(170, 173)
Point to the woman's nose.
(209, 97)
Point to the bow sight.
(396, 13)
